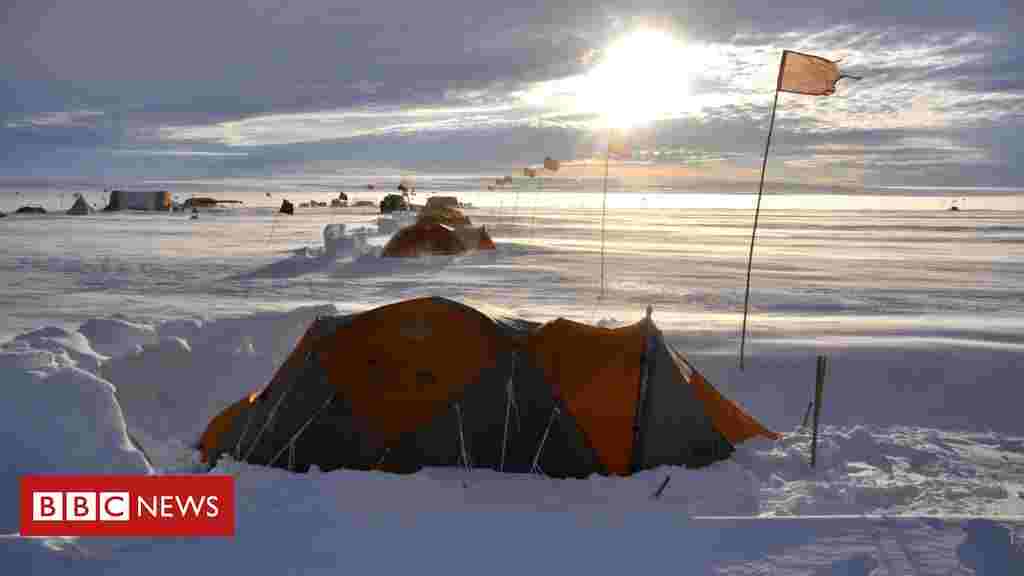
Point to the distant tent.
(393, 202)
(551, 164)
(80, 207)
(439, 229)
(287, 207)
(342, 196)
(435, 202)
(433, 382)
(423, 239)
(448, 216)
(30, 210)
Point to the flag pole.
(757, 210)
(604, 204)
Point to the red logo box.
(127, 505)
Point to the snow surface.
(147, 325)
(57, 419)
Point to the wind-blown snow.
(156, 323)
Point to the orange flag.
(806, 74)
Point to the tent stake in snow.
(664, 484)
(798, 74)
(819, 383)
(807, 414)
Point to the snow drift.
(59, 419)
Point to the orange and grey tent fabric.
(443, 231)
(422, 239)
(433, 382)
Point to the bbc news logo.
(127, 505)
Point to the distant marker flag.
(618, 144)
(798, 74)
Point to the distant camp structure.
(30, 210)
(287, 207)
(204, 202)
(432, 382)
(81, 207)
(155, 200)
(341, 201)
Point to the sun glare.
(640, 77)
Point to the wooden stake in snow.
(818, 385)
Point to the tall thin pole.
(757, 210)
(819, 384)
(604, 204)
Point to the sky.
(122, 91)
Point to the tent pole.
(290, 445)
(640, 412)
(757, 213)
(544, 439)
(508, 415)
(462, 438)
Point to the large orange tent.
(433, 382)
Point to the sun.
(640, 77)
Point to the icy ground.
(121, 351)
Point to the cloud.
(61, 119)
(344, 124)
(179, 152)
(193, 82)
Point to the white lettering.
(148, 505)
(212, 511)
(167, 506)
(190, 503)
